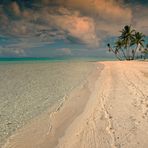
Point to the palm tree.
(114, 51)
(145, 51)
(119, 46)
(126, 37)
(138, 39)
(128, 43)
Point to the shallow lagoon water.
(29, 88)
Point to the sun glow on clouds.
(81, 22)
(102, 8)
(15, 8)
(80, 27)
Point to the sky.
(66, 28)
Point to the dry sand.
(109, 111)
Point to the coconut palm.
(126, 38)
(138, 40)
(114, 51)
(128, 43)
(145, 51)
(119, 46)
(127, 35)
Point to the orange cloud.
(104, 8)
(104, 15)
(82, 28)
(108, 9)
(87, 21)
(15, 8)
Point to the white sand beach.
(109, 111)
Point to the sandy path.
(116, 116)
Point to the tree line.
(129, 44)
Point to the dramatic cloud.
(106, 9)
(82, 28)
(81, 22)
(63, 24)
(15, 8)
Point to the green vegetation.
(129, 44)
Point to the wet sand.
(109, 111)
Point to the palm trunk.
(119, 55)
(127, 53)
(135, 51)
(124, 54)
(119, 58)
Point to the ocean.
(29, 88)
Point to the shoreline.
(28, 90)
(112, 112)
(42, 124)
(116, 116)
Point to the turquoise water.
(33, 59)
